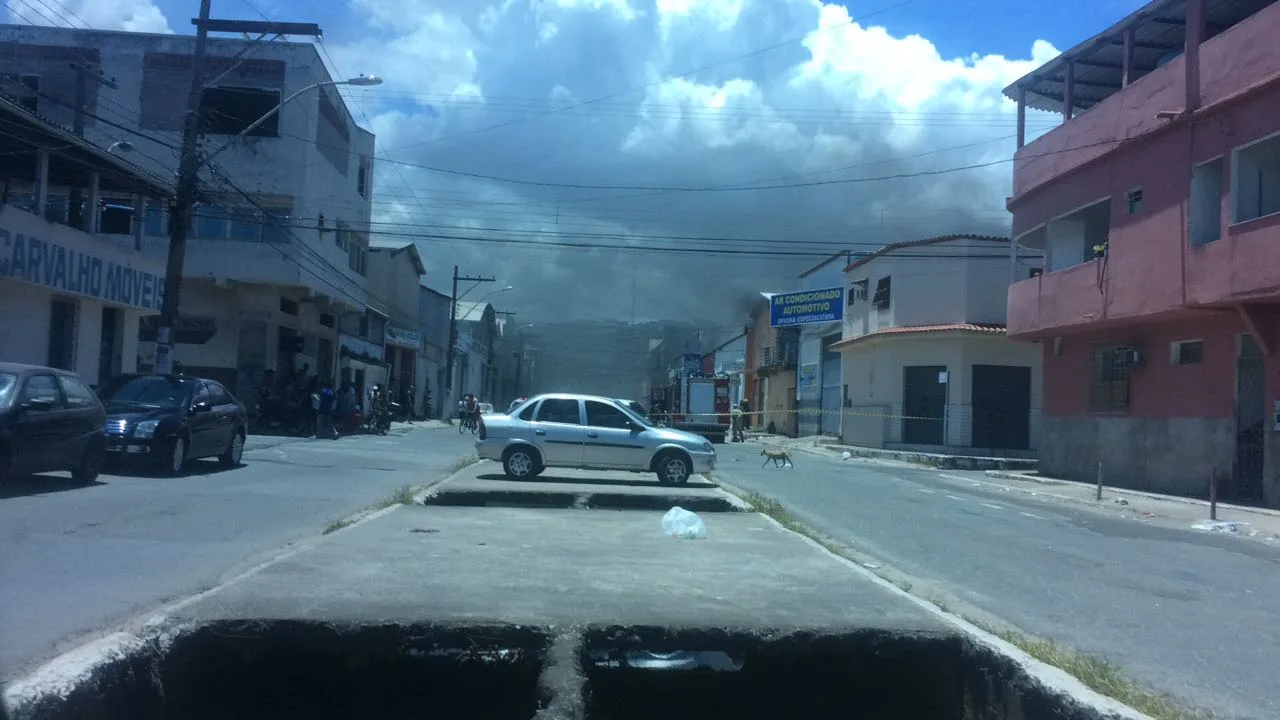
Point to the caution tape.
(808, 412)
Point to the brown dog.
(781, 457)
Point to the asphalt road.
(76, 558)
(1193, 614)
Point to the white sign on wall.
(403, 338)
(67, 260)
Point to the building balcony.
(1239, 267)
(1132, 79)
(1056, 301)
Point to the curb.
(1136, 493)
(932, 460)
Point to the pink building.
(1157, 203)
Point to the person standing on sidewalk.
(325, 408)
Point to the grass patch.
(1101, 676)
(403, 496)
(337, 525)
(462, 462)
(1094, 672)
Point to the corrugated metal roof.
(965, 328)
(887, 249)
(1159, 29)
(470, 311)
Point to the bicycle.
(469, 423)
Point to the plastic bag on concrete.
(684, 524)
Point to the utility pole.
(185, 196)
(84, 74)
(453, 325)
(189, 168)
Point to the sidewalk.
(1240, 520)
(934, 460)
(264, 442)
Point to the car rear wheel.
(231, 456)
(520, 463)
(673, 469)
(177, 456)
(90, 464)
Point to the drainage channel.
(294, 669)
(588, 500)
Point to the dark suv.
(49, 421)
(166, 420)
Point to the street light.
(358, 81)
(121, 145)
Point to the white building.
(267, 276)
(433, 326)
(473, 364)
(396, 269)
(926, 359)
(70, 297)
(819, 382)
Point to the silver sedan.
(589, 432)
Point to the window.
(362, 180)
(1188, 352)
(21, 90)
(881, 299)
(230, 110)
(1205, 215)
(202, 395)
(289, 307)
(527, 414)
(859, 289)
(115, 218)
(328, 320)
(78, 396)
(1255, 186)
(1133, 201)
(1109, 379)
(219, 394)
(604, 415)
(559, 410)
(155, 225)
(211, 222)
(342, 238)
(43, 388)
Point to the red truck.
(695, 404)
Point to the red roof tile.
(966, 328)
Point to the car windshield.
(7, 384)
(626, 408)
(150, 392)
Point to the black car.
(166, 420)
(49, 421)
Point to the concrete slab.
(487, 486)
(555, 567)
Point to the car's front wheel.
(231, 456)
(177, 456)
(673, 469)
(520, 463)
(90, 464)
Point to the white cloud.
(585, 92)
(131, 15)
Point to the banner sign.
(67, 260)
(807, 307)
(404, 338)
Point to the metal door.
(1001, 407)
(924, 404)
(1250, 423)
(831, 386)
